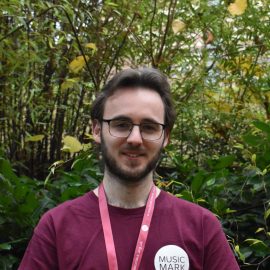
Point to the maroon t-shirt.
(182, 236)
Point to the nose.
(135, 136)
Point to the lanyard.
(107, 229)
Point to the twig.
(73, 30)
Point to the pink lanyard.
(107, 229)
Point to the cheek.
(113, 144)
(154, 148)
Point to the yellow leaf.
(253, 158)
(56, 163)
(178, 26)
(239, 146)
(88, 136)
(71, 144)
(86, 146)
(77, 64)
(252, 242)
(228, 211)
(69, 83)
(264, 172)
(35, 138)
(50, 44)
(66, 85)
(225, 107)
(238, 7)
(266, 214)
(91, 46)
(201, 200)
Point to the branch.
(170, 15)
(151, 34)
(252, 72)
(73, 30)
(121, 45)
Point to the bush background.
(55, 57)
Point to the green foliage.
(236, 188)
(24, 200)
(18, 204)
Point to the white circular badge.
(145, 228)
(171, 257)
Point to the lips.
(133, 155)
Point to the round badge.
(145, 228)
(171, 257)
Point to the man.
(127, 222)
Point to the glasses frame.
(139, 125)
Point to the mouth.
(133, 155)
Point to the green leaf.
(259, 230)
(6, 170)
(266, 214)
(30, 204)
(241, 255)
(5, 246)
(253, 158)
(197, 182)
(229, 211)
(35, 138)
(262, 126)
(186, 195)
(252, 139)
(224, 162)
(112, 4)
(253, 241)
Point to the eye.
(150, 127)
(121, 124)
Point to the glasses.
(122, 128)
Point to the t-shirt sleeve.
(218, 254)
(41, 251)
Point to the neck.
(127, 195)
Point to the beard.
(131, 175)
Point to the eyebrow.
(144, 120)
(121, 117)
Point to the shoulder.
(84, 206)
(198, 231)
(78, 203)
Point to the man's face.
(133, 158)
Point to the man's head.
(132, 78)
(132, 119)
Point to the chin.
(129, 176)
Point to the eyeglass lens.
(122, 129)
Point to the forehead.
(135, 103)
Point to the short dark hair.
(149, 78)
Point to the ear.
(166, 138)
(96, 130)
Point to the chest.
(160, 251)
